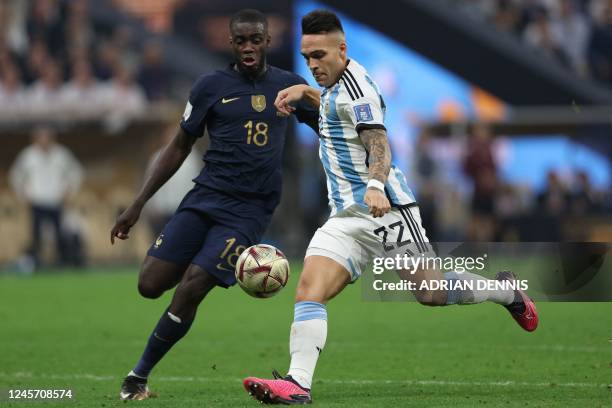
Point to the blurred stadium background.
(500, 112)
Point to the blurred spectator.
(554, 199)
(154, 77)
(583, 199)
(123, 96)
(108, 60)
(44, 24)
(600, 45)
(162, 205)
(79, 31)
(480, 167)
(42, 97)
(127, 46)
(508, 208)
(83, 95)
(452, 217)
(13, 14)
(572, 32)
(426, 172)
(552, 203)
(38, 56)
(12, 93)
(45, 175)
(539, 35)
(506, 17)
(558, 28)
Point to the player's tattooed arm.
(379, 164)
(168, 162)
(379, 153)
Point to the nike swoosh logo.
(221, 267)
(229, 100)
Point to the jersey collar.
(349, 63)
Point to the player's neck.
(346, 62)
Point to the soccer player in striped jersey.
(373, 212)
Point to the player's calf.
(191, 291)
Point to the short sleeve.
(365, 106)
(194, 117)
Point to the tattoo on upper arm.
(377, 146)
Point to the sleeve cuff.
(366, 126)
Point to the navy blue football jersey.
(246, 133)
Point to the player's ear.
(268, 39)
(343, 49)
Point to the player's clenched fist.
(125, 221)
(287, 97)
(377, 201)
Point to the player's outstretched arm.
(379, 159)
(288, 97)
(168, 162)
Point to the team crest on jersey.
(363, 113)
(258, 102)
(158, 241)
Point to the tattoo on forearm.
(377, 145)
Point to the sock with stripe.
(306, 341)
(468, 297)
(168, 331)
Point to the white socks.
(474, 295)
(306, 341)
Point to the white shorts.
(353, 237)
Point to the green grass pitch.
(85, 331)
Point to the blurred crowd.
(493, 209)
(576, 33)
(53, 58)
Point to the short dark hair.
(249, 16)
(321, 22)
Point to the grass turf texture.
(85, 331)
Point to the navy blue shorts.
(211, 229)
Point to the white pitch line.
(508, 383)
(541, 347)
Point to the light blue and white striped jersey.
(346, 107)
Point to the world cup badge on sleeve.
(258, 102)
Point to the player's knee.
(149, 290)
(306, 291)
(430, 297)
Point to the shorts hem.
(345, 262)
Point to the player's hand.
(377, 201)
(125, 221)
(287, 97)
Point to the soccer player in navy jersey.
(234, 196)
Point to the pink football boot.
(280, 390)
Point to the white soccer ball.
(262, 270)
